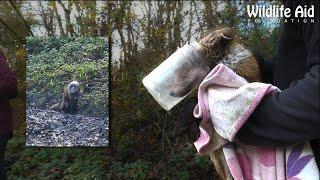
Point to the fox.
(221, 46)
(69, 102)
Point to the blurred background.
(140, 34)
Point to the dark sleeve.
(8, 82)
(292, 115)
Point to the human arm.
(292, 115)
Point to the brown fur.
(56, 107)
(65, 101)
(215, 158)
(69, 103)
(217, 44)
(249, 69)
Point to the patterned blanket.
(225, 102)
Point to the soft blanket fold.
(225, 102)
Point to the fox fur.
(69, 102)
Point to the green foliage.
(70, 163)
(136, 170)
(54, 62)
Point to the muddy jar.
(177, 76)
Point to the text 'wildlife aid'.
(276, 11)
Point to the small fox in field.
(69, 102)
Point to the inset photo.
(67, 92)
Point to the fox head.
(217, 44)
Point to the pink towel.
(225, 102)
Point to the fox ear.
(225, 36)
(228, 34)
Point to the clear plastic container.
(177, 76)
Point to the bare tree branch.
(22, 18)
(11, 30)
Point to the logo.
(302, 14)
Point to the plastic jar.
(177, 76)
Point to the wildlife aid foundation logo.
(301, 14)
